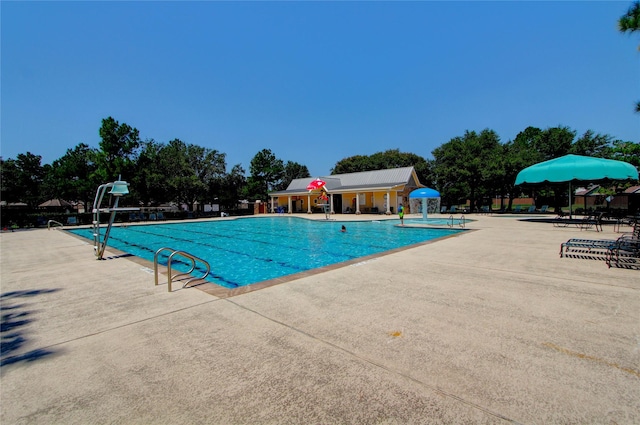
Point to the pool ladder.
(461, 221)
(183, 254)
(54, 224)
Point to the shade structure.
(55, 203)
(424, 193)
(576, 168)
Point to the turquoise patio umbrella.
(424, 194)
(576, 168)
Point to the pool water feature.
(251, 250)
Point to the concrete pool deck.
(489, 326)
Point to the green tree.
(535, 145)
(10, 190)
(630, 22)
(22, 179)
(591, 144)
(353, 164)
(446, 166)
(229, 188)
(118, 148)
(72, 176)
(554, 142)
(517, 155)
(391, 158)
(266, 175)
(293, 170)
(189, 170)
(463, 167)
(626, 151)
(148, 182)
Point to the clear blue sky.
(315, 82)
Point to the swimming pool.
(251, 250)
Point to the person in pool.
(401, 214)
(343, 229)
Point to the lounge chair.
(624, 252)
(532, 209)
(160, 215)
(625, 247)
(588, 246)
(72, 221)
(592, 221)
(561, 220)
(517, 209)
(544, 208)
(153, 216)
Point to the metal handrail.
(53, 221)
(461, 223)
(184, 254)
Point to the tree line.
(159, 173)
(474, 166)
(477, 166)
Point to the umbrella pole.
(570, 209)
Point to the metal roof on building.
(362, 181)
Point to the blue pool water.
(250, 250)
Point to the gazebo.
(55, 203)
